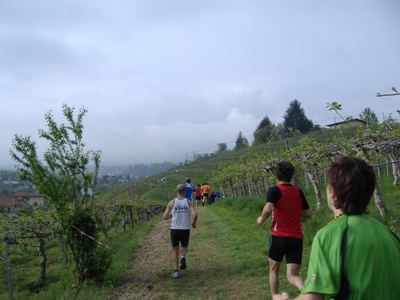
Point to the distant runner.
(197, 194)
(205, 189)
(189, 189)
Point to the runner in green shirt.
(371, 253)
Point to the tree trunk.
(314, 182)
(266, 183)
(379, 202)
(131, 215)
(123, 223)
(64, 252)
(42, 263)
(250, 188)
(395, 168)
(230, 188)
(256, 187)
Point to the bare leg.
(184, 250)
(175, 253)
(274, 275)
(293, 271)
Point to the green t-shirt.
(372, 260)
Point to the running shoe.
(175, 274)
(183, 263)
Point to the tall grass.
(60, 281)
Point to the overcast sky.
(166, 79)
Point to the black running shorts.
(292, 248)
(179, 235)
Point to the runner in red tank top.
(287, 205)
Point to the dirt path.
(143, 271)
(221, 265)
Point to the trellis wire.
(98, 242)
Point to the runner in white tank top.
(178, 210)
(180, 214)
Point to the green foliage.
(91, 262)
(295, 118)
(241, 142)
(63, 177)
(222, 148)
(264, 132)
(369, 116)
(60, 284)
(335, 106)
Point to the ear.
(331, 192)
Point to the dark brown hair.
(353, 181)
(284, 171)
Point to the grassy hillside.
(200, 170)
(231, 220)
(228, 256)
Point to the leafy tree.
(264, 123)
(277, 131)
(63, 176)
(295, 118)
(390, 119)
(263, 131)
(241, 142)
(222, 148)
(369, 116)
(337, 107)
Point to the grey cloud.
(150, 70)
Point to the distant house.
(346, 124)
(37, 200)
(31, 199)
(21, 195)
(19, 198)
(9, 200)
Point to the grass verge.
(60, 281)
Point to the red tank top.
(286, 214)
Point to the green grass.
(227, 254)
(60, 281)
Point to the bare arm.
(306, 213)
(194, 213)
(167, 212)
(265, 213)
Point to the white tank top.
(180, 214)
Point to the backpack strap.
(344, 291)
(395, 235)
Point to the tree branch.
(384, 95)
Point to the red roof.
(6, 200)
(20, 194)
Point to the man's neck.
(282, 182)
(337, 212)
